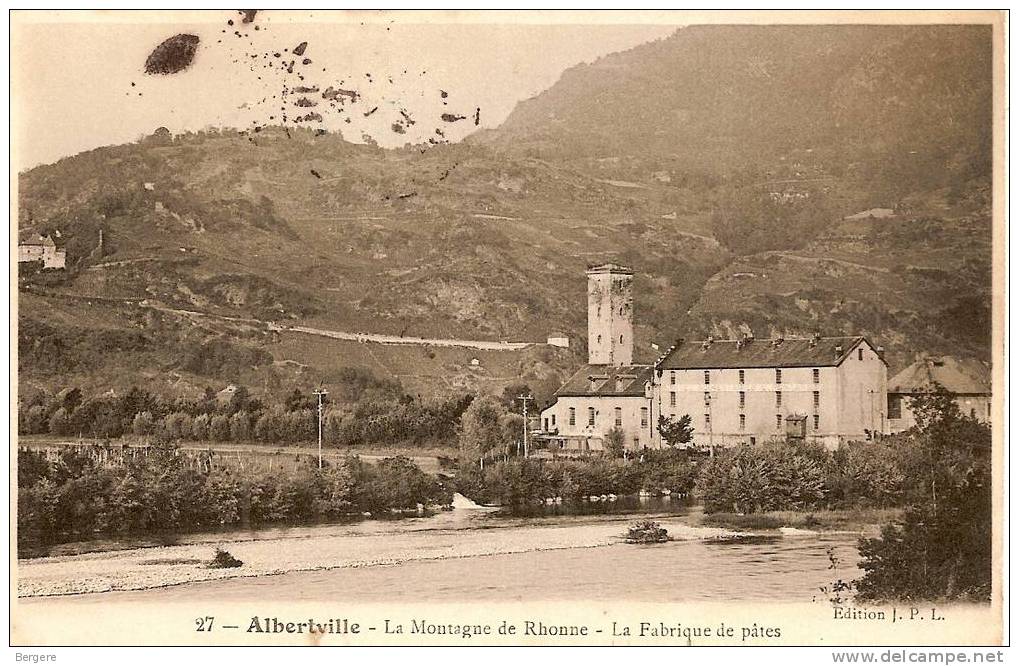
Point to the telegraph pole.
(320, 392)
(525, 398)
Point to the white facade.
(829, 404)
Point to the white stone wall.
(636, 425)
(842, 409)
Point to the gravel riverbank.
(144, 568)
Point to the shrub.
(646, 531)
(749, 479)
(224, 560)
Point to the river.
(559, 554)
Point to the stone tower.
(610, 315)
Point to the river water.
(767, 565)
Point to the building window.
(620, 339)
(778, 421)
(707, 420)
(707, 398)
(620, 310)
(817, 400)
(859, 354)
(672, 398)
(742, 422)
(972, 413)
(672, 377)
(894, 406)
(573, 416)
(619, 416)
(817, 376)
(590, 416)
(643, 417)
(742, 376)
(778, 400)
(707, 376)
(988, 410)
(778, 376)
(546, 424)
(553, 420)
(599, 339)
(742, 399)
(817, 421)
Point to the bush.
(749, 479)
(224, 560)
(646, 531)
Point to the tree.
(219, 428)
(143, 424)
(942, 548)
(675, 431)
(32, 421)
(615, 442)
(60, 423)
(480, 433)
(240, 427)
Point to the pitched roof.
(607, 380)
(956, 375)
(32, 238)
(753, 353)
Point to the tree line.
(80, 493)
(376, 415)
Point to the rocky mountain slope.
(720, 163)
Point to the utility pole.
(525, 398)
(711, 429)
(320, 392)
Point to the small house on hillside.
(33, 247)
(968, 380)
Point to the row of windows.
(618, 414)
(778, 421)
(743, 399)
(816, 373)
(620, 339)
(592, 416)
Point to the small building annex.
(969, 381)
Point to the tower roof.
(610, 268)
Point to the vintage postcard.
(507, 328)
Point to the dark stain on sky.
(173, 55)
(300, 87)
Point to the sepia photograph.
(507, 328)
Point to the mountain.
(724, 163)
(875, 102)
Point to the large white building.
(826, 389)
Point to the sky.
(78, 79)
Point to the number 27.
(204, 623)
